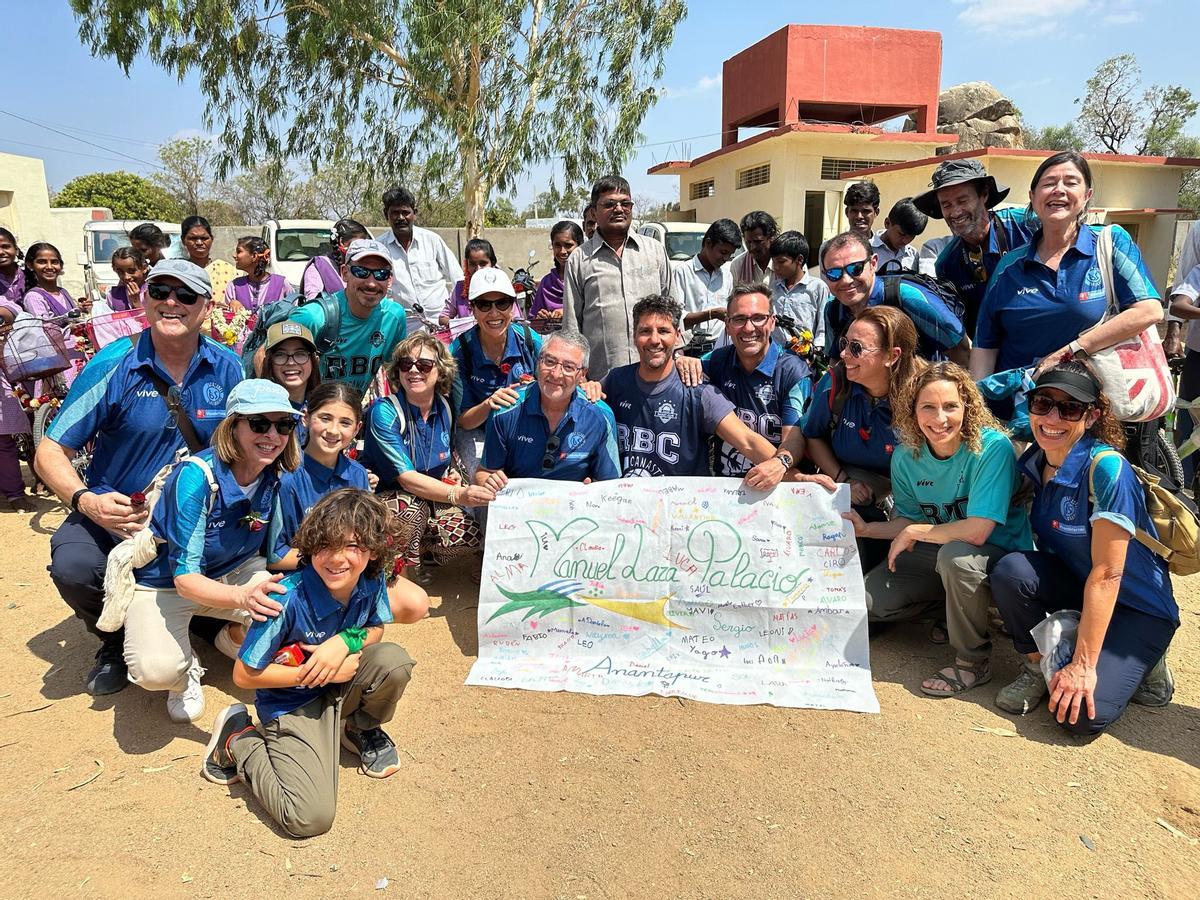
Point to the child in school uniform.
(346, 687)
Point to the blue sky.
(1039, 52)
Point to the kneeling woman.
(954, 481)
(408, 445)
(1088, 508)
(210, 524)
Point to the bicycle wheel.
(1166, 459)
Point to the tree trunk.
(475, 193)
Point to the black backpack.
(944, 290)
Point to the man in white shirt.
(423, 267)
(703, 284)
(795, 293)
(753, 265)
(894, 244)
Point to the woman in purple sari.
(565, 236)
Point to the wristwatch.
(786, 458)
(1077, 350)
(75, 498)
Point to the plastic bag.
(33, 349)
(1055, 639)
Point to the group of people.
(239, 510)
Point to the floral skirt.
(435, 531)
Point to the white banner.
(690, 587)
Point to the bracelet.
(838, 476)
(452, 496)
(75, 497)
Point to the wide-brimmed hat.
(957, 171)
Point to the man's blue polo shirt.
(299, 492)
(517, 438)
(1011, 228)
(938, 329)
(1062, 518)
(310, 616)
(114, 403)
(863, 436)
(768, 399)
(200, 541)
(1031, 310)
(424, 446)
(479, 377)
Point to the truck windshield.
(684, 245)
(300, 244)
(105, 243)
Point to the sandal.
(938, 633)
(981, 670)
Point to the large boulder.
(979, 114)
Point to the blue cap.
(186, 271)
(257, 395)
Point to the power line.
(8, 140)
(81, 140)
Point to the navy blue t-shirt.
(299, 492)
(863, 437)
(479, 377)
(423, 447)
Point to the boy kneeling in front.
(334, 610)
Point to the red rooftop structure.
(820, 74)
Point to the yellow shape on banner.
(653, 611)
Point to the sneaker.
(219, 765)
(110, 674)
(377, 755)
(1157, 688)
(188, 705)
(225, 642)
(1025, 693)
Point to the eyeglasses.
(613, 204)
(424, 366)
(1068, 410)
(261, 425)
(550, 363)
(282, 357)
(552, 445)
(758, 320)
(159, 291)
(853, 269)
(503, 305)
(856, 348)
(378, 274)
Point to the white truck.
(103, 238)
(682, 239)
(294, 242)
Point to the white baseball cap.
(490, 281)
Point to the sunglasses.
(261, 425)
(613, 204)
(378, 274)
(1068, 410)
(282, 357)
(424, 366)
(159, 291)
(552, 444)
(853, 269)
(855, 348)
(486, 305)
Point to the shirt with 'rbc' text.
(362, 344)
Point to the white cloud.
(186, 134)
(1017, 17)
(704, 85)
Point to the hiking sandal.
(981, 670)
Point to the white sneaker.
(226, 644)
(188, 705)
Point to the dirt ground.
(507, 793)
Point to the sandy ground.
(506, 793)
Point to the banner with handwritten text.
(690, 587)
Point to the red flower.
(137, 498)
(254, 522)
(526, 378)
(256, 525)
(864, 433)
(505, 368)
(352, 452)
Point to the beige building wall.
(24, 200)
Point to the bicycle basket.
(32, 349)
(105, 328)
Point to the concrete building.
(1139, 193)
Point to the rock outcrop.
(979, 114)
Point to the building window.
(754, 176)
(833, 169)
(703, 189)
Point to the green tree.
(1054, 137)
(1117, 116)
(551, 201)
(269, 191)
(482, 90)
(129, 196)
(186, 167)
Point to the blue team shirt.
(114, 402)
(200, 541)
(310, 616)
(486, 377)
(938, 329)
(1011, 228)
(768, 399)
(1063, 513)
(967, 485)
(662, 428)
(516, 440)
(362, 344)
(298, 493)
(864, 436)
(423, 447)
(1031, 310)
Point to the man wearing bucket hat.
(137, 402)
(371, 323)
(964, 194)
